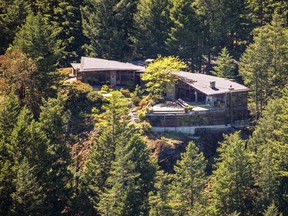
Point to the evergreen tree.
(151, 28)
(261, 12)
(127, 185)
(13, 14)
(226, 24)
(184, 34)
(107, 25)
(232, 179)
(264, 65)
(53, 122)
(36, 39)
(28, 199)
(225, 67)
(64, 17)
(272, 210)
(98, 166)
(159, 199)
(188, 181)
(9, 110)
(269, 141)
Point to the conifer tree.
(98, 166)
(28, 198)
(128, 183)
(225, 67)
(232, 179)
(151, 28)
(188, 181)
(36, 39)
(107, 25)
(13, 14)
(272, 210)
(269, 142)
(264, 66)
(53, 122)
(158, 198)
(184, 34)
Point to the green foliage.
(184, 32)
(13, 14)
(28, 198)
(272, 210)
(188, 182)
(130, 177)
(225, 67)
(151, 23)
(159, 75)
(264, 65)
(158, 198)
(232, 179)
(269, 143)
(107, 25)
(36, 39)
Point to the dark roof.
(201, 82)
(96, 64)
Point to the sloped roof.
(96, 64)
(201, 82)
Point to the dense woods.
(67, 150)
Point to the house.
(96, 71)
(195, 101)
(201, 101)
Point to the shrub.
(95, 97)
(136, 100)
(141, 115)
(104, 89)
(125, 93)
(145, 126)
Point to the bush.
(144, 102)
(136, 100)
(125, 93)
(95, 97)
(145, 126)
(141, 115)
(105, 89)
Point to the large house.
(196, 100)
(98, 71)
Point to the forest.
(65, 149)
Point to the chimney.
(212, 84)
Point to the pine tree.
(270, 155)
(264, 66)
(184, 34)
(272, 210)
(36, 39)
(151, 28)
(127, 185)
(159, 199)
(97, 168)
(53, 122)
(13, 14)
(107, 25)
(188, 181)
(232, 179)
(28, 199)
(64, 17)
(225, 67)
